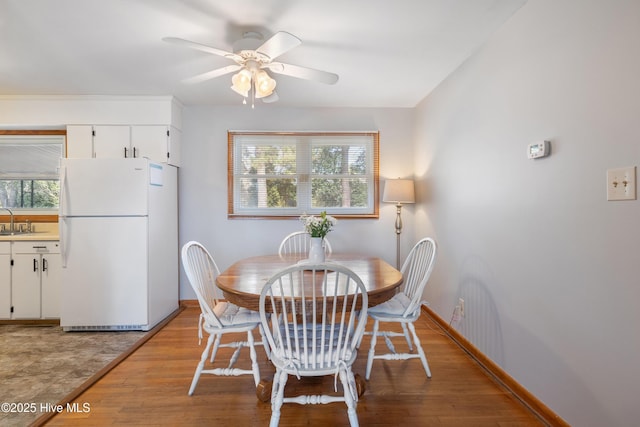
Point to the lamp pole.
(398, 231)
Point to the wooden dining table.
(243, 281)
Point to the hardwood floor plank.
(150, 388)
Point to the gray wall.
(203, 180)
(549, 269)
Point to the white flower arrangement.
(318, 226)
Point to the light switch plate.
(621, 183)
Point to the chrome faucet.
(11, 220)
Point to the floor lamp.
(398, 191)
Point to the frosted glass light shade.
(242, 82)
(264, 84)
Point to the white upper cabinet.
(150, 141)
(173, 146)
(79, 141)
(160, 143)
(111, 142)
(157, 142)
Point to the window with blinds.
(29, 176)
(288, 174)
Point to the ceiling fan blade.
(278, 44)
(271, 98)
(201, 47)
(213, 74)
(303, 72)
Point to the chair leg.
(265, 343)
(277, 396)
(406, 336)
(254, 358)
(216, 346)
(372, 349)
(200, 367)
(346, 376)
(423, 356)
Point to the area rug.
(41, 365)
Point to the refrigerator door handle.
(62, 223)
(63, 185)
(63, 213)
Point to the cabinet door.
(150, 141)
(25, 286)
(50, 270)
(175, 141)
(112, 142)
(79, 141)
(5, 281)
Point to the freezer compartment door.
(105, 278)
(104, 187)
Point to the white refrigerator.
(119, 243)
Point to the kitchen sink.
(15, 233)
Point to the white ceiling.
(388, 53)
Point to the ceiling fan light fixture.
(241, 82)
(264, 84)
(252, 56)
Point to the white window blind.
(30, 157)
(29, 170)
(286, 174)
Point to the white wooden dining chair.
(298, 242)
(218, 317)
(405, 307)
(313, 316)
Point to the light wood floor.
(150, 388)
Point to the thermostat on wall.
(538, 149)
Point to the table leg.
(263, 390)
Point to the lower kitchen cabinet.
(5, 280)
(35, 280)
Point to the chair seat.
(325, 348)
(395, 307)
(232, 315)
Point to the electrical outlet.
(621, 184)
(461, 305)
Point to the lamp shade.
(399, 191)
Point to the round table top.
(243, 281)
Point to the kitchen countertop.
(43, 231)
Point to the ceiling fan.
(252, 61)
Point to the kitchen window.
(29, 177)
(284, 174)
